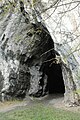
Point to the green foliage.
(39, 112)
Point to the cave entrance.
(55, 83)
(55, 79)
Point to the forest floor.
(56, 101)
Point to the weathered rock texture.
(63, 24)
(27, 51)
(22, 43)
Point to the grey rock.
(29, 55)
(22, 44)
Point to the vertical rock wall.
(22, 42)
(25, 46)
(62, 20)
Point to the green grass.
(39, 112)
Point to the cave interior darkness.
(55, 80)
(55, 83)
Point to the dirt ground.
(56, 101)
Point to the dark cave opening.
(55, 83)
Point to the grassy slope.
(39, 112)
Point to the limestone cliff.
(62, 18)
(36, 46)
(22, 42)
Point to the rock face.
(30, 60)
(63, 23)
(22, 44)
